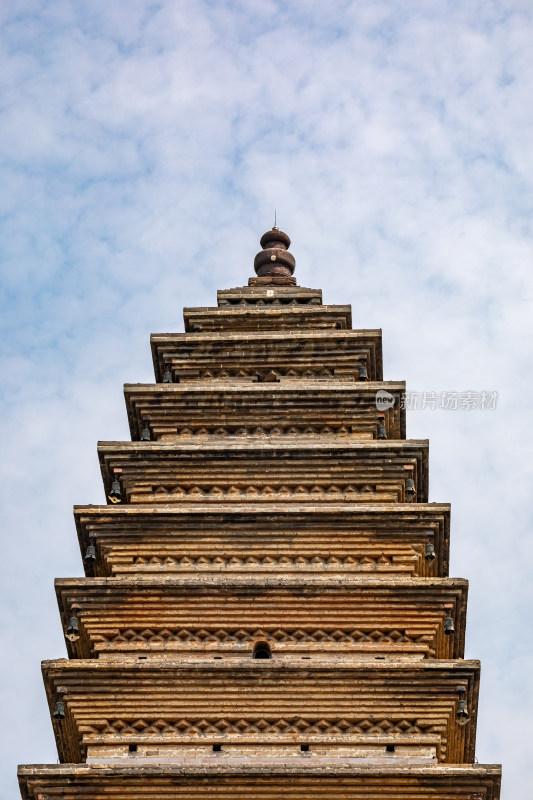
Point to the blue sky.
(143, 148)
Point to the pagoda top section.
(271, 301)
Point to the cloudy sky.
(144, 146)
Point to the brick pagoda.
(266, 610)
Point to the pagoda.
(266, 610)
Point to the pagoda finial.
(274, 263)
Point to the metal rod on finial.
(275, 228)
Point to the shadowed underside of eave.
(183, 702)
(266, 296)
(266, 539)
(227, 615)
(329, 780)
(291, 408)
(270, 471)
(322, 354)
(207, 320)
